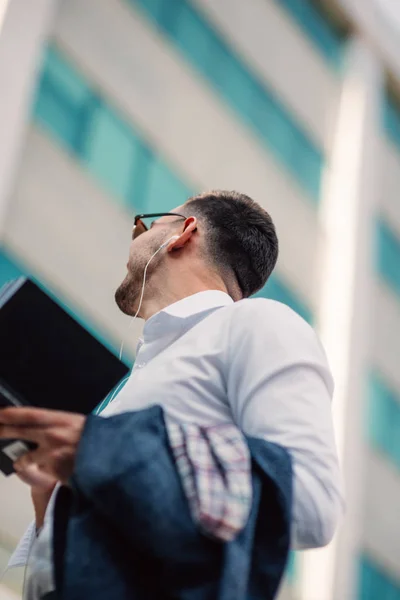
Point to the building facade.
(115, 107)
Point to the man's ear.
(189, 228)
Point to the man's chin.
(125, 299)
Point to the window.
(383, 418)
(375, 584)
(391, 118)
(291, 570)
(106, 144)
(111, 150)
(277, 290)
(256, 104)
(323, 33)
(8, 270)
(388, 255)
(63, 101)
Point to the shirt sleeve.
(280, 389)
(20, 556)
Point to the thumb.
(33, 476)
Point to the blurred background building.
(113, 107)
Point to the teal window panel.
(62, 100)
(326, 36)
(107, 145)
(383, 418)
(8, 269)
(276, 289)
(310, 164)
(256, 105)
(241, 87)
(111, 151)
(391, 116)
(155, 9)
(164, 189)
(140, 180)
(374, 583)
(291, 569)
(388, 255)
(191, 35)
(278, 130)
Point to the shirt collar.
(182, 313)
(197, 303)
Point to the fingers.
(10, 432)
(32, 417)
(35, 457)
(33, 475)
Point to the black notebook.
(47, 359)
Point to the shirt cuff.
(20, 556)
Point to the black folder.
(47, 359)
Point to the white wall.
(7, 594)
(201, 136)
(21, 36)
(381, 527)
(281, 54)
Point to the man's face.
(141, 250)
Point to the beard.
(127, 295)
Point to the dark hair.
(241, 237)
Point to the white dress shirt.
(208, 360)
(256, 363)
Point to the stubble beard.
(127, 294)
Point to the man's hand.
(57, 435)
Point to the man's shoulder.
(265, 312)
(253, 319)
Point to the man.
(209, 357)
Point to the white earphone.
(121, 383)
(164, 245)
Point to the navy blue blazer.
(123, 529)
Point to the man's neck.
(158, 301)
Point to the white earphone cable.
(142, 294)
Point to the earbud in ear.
(165, 244)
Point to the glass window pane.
(279, 132)
(308, 163)
(8, 270)
(65, 78)
(139, 185)
(241, 89)
(388, 256)
(57, 116)
(110, 151)
(212, 55)
(61, 100)
(377, 412)
(153, 8)
(165, 191)
(384, 418)
(193, 37)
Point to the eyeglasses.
(143, 223)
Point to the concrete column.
(24, 25)
(346, 277)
